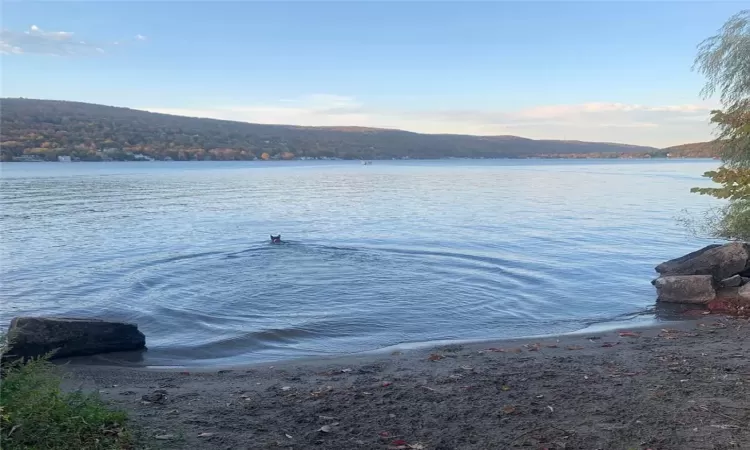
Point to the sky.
(593, 71)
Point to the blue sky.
(603, 71)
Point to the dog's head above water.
(276, 239)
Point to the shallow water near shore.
(375, 256)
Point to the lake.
(394, 253)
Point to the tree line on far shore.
(44, 129)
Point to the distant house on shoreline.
(64, 158)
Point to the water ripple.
(376, 256)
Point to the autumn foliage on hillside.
(696, 150)
(49, 128)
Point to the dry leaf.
(509, 409)
(435, 357)
(629, 334)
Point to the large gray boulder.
(37, 336)
(685, 289)
(720, 261)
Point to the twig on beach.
(707, 409)
(524, 434)
(567, 433)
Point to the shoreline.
(133, 360)
(534, 158)
(671, 386)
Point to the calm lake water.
(380, 255)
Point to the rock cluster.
(30, 337)
(713, 273)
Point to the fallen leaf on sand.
(164, 437)
(435, 357)
(325, 429)
(509, 409)
(504, 350)
(629, 334)
(384, 434)
(505, 388)
(574, 347)
(205, 435)
(386, 383)
(400, 444)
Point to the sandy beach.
(681, 386)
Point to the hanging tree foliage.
(724, 60)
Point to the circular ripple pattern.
(393, 253)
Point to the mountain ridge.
(49, 128)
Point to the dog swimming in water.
(276, 239)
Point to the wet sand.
(677, 386)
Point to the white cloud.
(38, 41)
(655, 125)
(55, 43)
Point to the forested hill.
(696, 150)
(46, 129)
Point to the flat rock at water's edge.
(697, 289)
(37, 336)
(720, 261)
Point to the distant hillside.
(46, 129)
(696, 150)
